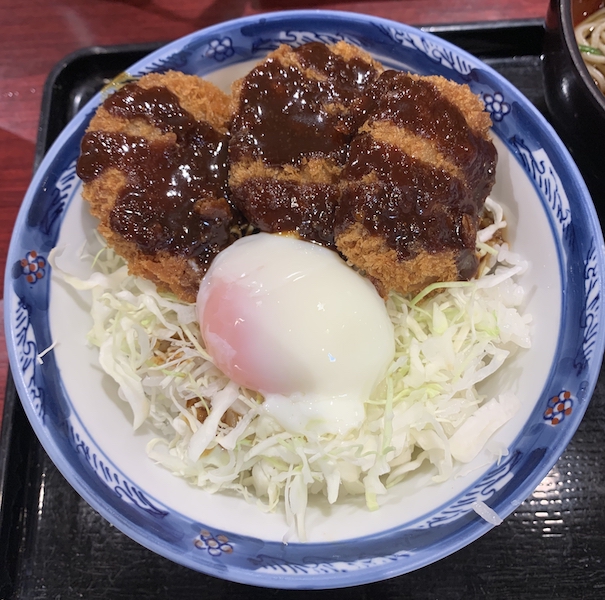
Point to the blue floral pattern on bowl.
(214, 544)
(496, 106)
(34, 266)
(220, 49)
(559, 407)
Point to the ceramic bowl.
(85, 429)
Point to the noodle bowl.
(576, 105)
(590, 35)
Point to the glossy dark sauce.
(288, 115)
(418, 107)
(174, 197)
(283, 119)
(285, 206)
(285, 116)
(176, 185)
(409, 204)
(412, 205)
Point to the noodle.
(590, 35)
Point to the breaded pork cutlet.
(295, 115)
(154, 166)
(418, 173)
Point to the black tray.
(53, 545)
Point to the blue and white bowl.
(86, 431)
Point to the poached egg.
(289, 319)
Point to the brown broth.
(580, 9)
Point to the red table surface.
(36, 34)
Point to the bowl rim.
(482, 527)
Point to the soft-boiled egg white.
(291, 320)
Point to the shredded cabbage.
(427, 411)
